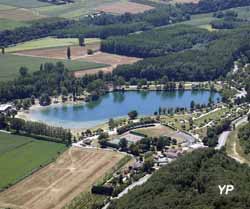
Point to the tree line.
(40, 130)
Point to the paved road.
(222, 139)
(224, 136)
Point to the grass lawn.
(176, 121)
(11, 24)
(10, 65)
(49, 42)
(21, 155)
(213, 116)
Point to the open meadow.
(10, 65)
(57, 184)
(20, 155)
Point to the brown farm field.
(59, 52)
(123, 7)
(110, 59)
(20, 15)
(57, 184)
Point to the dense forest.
(244, 136)
(107, 25)
(158, 42)
(199, 64)
(191, 182)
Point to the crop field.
(10, 65)
(20, 155)
(20, 15)
(41, 9)
(49, 42)
(57, 184)
(109, 59)
(123, 7)
(75, 10)
(77, 52)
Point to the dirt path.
(232, 146)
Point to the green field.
(49, 42)
(23, 3)
(77, 9)
(10, 65)
(204, 20)
(21, 155)
(11, 24)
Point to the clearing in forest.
(57, 184)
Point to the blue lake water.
(118, 104)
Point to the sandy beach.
(28, 116)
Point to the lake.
(118, 104)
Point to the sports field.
(57, 184)
(21, 155)
(10, 65)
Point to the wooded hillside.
(191, 182)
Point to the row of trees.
(51, 133)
